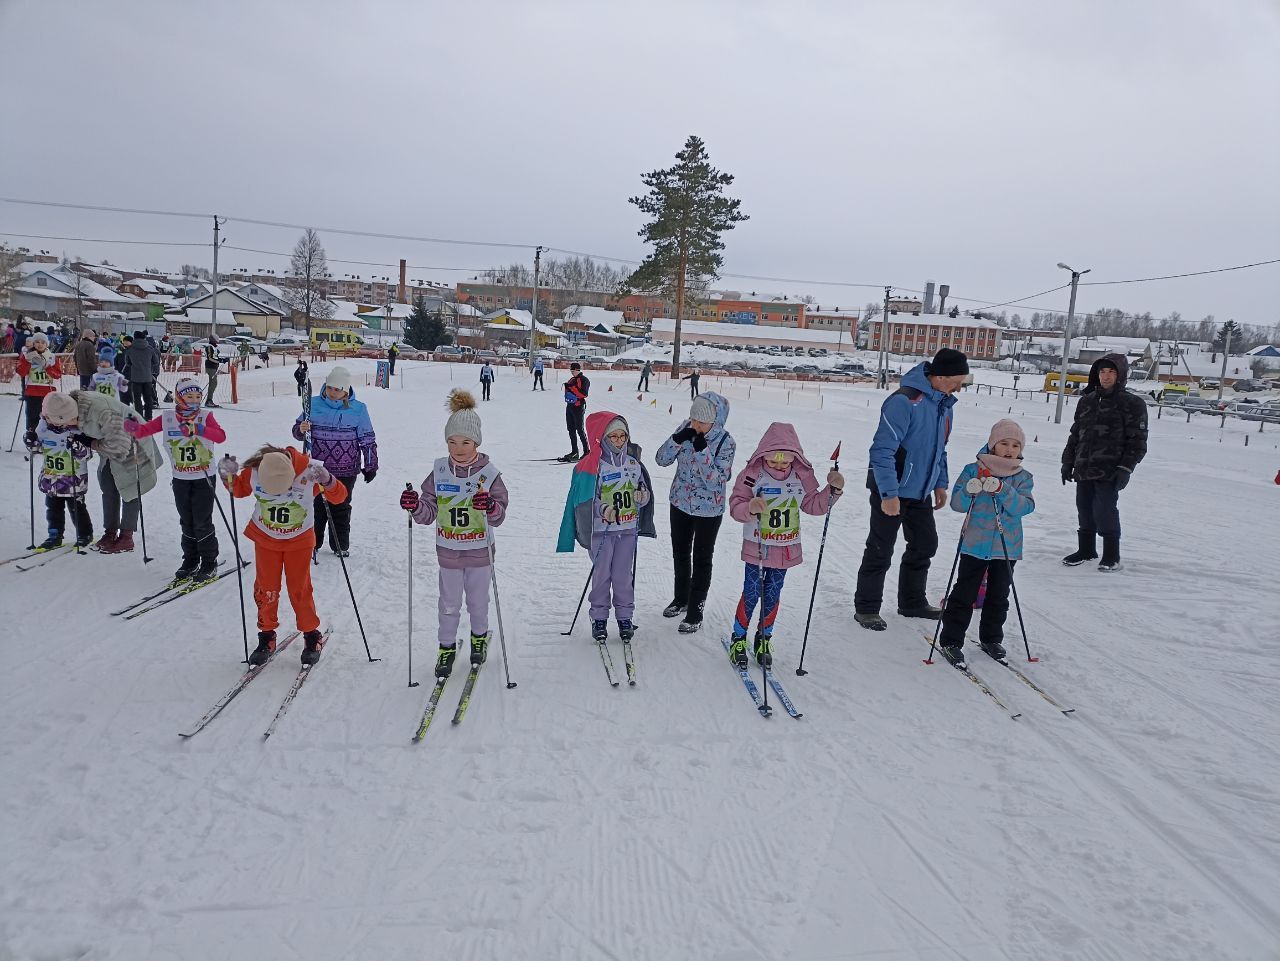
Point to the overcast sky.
(873, 142)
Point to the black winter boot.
(1087, 551)
(266, 647)
(313, 644)
(1110, 554)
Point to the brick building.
(922, 335)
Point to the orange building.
(923, 335)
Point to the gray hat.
(702, 410)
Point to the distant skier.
(993, 490)
(486, 379)
(576, 389)
(537, 374)
(464, 496)
(645, 372)
(768, 497)
(692, 377)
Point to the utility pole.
(213, 327)
(1226, 352)
(1066, 339)
(884, 341)
(537, 265)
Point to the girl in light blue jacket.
(702, 451)
(994, 493)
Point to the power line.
(102, 240)
(379, 236)
(359, 263)
(1193, 273)
(103, 209)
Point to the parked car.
(1199, 405)
(287, 342)
(1210, 383)
(1268, 412)
(806, 369)
(449, 350)
(1250, 385)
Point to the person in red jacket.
(284, 483)
(40, 373)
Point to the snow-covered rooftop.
(693, 329)
(937, 320)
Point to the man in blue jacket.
(908, 482)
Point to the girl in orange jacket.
(284, 483)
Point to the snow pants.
(1098, 504)
(194, 500)
(485, 387)
(915, 518)
(693, 546)
(116, 514)
(473, 583)
(995, 606)
(574, 417)
(614, 553)
(294, 562)
(338, 517)
(32, 403)
(773, 578)
(55, 514)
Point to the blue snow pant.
(773, 578)
(611, 574)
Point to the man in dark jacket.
(86, 357)
(141, 368)
(576, 389)
(908, 482)
(1108, 440)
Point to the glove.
(1123, 476)
(835, 479)
(757, 505)
(642, 496)
(991, 485)
(369, 475)
(699, 442)
(228, 467)
(131, 427)
(78, 450)
(609, 514)
(316, 473)
(684, 434)
(1068, 473)
(83, 439)
(30, 441)
(483, 501)
(409, 500)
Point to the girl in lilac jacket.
(768, 497)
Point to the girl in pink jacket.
(768, 496)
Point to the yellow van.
(339, 340)
(1075, 382)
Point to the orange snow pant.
(295, 564)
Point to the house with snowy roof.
(59, 291)
(1269, 354)
(234, 310)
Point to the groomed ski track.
(904, 817)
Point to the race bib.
(460, 526)
(59, 463)
(780, 522)
(38, 375)
(618, 486)
(282, 519)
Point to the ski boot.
(674, 609)
(568, 458)
(266, 647)
(738, 652)
(479, 649)
(995, 650)
(444, 662)
(53, 540)
(187, 570)
(954, 654)
(600, 631)
(626, 629)
(314, 644)
(1087, 550)
(764, 650)
(207, 571)
(925, 610)
(341, 552)
(872, 621)
(84, 540)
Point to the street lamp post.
(1066, 339)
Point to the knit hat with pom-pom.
(464, 421)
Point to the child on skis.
(464, 496)
(994, 492)
(190, 433)
(768, 497)
(284, 483)
(610, 504)
(106, 379)
(64, 475)
(38, 366)
(341, 436)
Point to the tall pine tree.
(425, 330)
(689, 212)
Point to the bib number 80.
(622, 500)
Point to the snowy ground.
(905, 817)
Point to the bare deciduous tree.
(308, 269)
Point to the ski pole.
(937, 628)
(764, 555)
(31, 485)
(328, 518)
(822, 546)
(497, 604)
(1012, 586)
(409, 592)
(22, 403)
(142, 517)
(576, 612)
(232, 528)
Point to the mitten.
(409, 500)
(369, 475)
(1123, 476)
(991, 484)
(317, 473)
(1068, 473)
(609, 514)
(131, 427)
(973, 486)
(835, 479)
(642, 496)
(684, 434)
(30, 441)
(483, 501)
(228, 467)
(699, 442)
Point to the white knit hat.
(339, 378)
(59, 410)
(702, 410)
(464, 421)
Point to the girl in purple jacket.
(773, 489)
(465, 498)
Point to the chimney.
(943, 292)
(928, 296)
(400, 289)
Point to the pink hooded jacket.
(777, 437)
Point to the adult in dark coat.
(141, 368)
(1108, 440)
(86, 357)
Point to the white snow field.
(904, 817)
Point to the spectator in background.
(86, 357)
(212, 363)
(264, 355)
(645, 372)
(302, 375)
(141, 368)
(8, 339)
(125, 343)
(392, 353)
